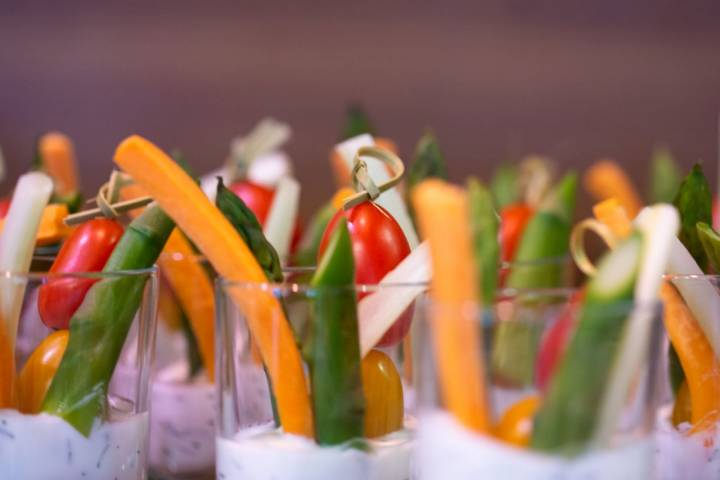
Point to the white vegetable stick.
(378, 311)
(390, 200)
(17, 242)
(659, 226)
(208, 182)
(700, 295)
(280, 222)
(270, 168)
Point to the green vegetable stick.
(694, 203)
(310, 243)
(567, 418)
(664, 177)
(336, 381)
(505, 185)
(99, 327)
(429, 163)
(710, 241)
(356, 123)
(484, 225)
(247, 225)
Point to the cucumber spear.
(335, 373)
(99, 327)
(569, 413)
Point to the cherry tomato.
(382, 387)
(39, 370)
(259, 198)
(555, 340)
(86, 250)
(4, 206)
(513, 219)
(515, 426)
(379, 245)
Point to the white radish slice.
(378, 311)
(17, 242)
(208, 182)
(659, 226)
(280, 222)
(390, 200)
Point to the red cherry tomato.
(379, 244)
(259, 199)
(4, 206)
(513, 219)
(555, 340)
(87, 249)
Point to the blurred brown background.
(495, 80)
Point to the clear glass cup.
(508, 361)
(182, 424)
(686, 447)
(36, 445)
(250, 445)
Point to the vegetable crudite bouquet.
(323, 355)
(256, 191)
(587, 410)
(688, 431)
(56, 393)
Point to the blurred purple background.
(576, 80)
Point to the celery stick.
(338, 400)
(484, 224)
(99, 327)
(505, 185)
(17, 242)
(569, 413)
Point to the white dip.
(264, 453)
(182, 423)
(447, 450)
(679, 456)
(42, 447)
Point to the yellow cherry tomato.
(384, 409)
(682, 410)
(39, 370)
(515, 426)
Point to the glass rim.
(39, 275)
(297, 287)
(691, 276)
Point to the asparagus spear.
(99, 327)
(710, 241)
(356, 123)
(247, 225)
(505, 185)
(694, 203)
(429, 163)
(335, 373)
(664, 177)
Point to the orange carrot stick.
(442, 212)
(193, 290)
(181, 198)
(612, 214)
(701, 366)
(605, 179)
(58, 160)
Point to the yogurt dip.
(264, 453)
(42, 447)
(446, 449)
(679, 456)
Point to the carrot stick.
(51, 229)
(605, 179)
(701, 366)
(612, 214)
(181, 198)
(442, 213)
(58, 160)
(193, 289)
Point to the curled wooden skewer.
(362, 182)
